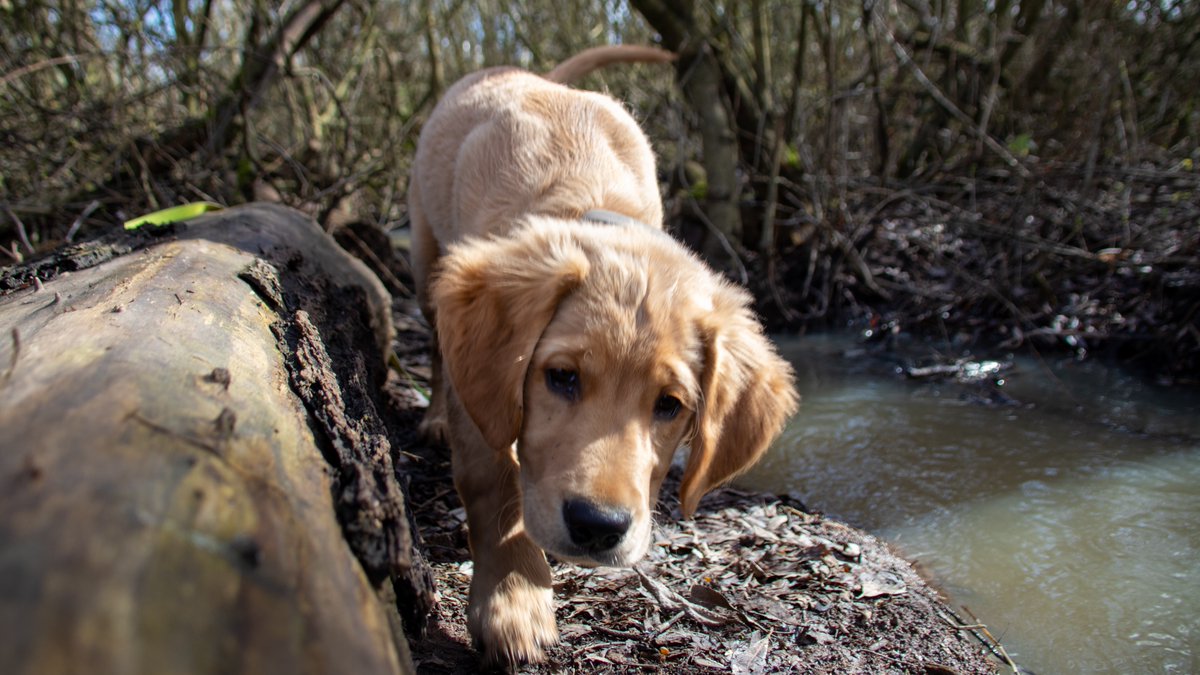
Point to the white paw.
(513, 621)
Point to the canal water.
(1062, 508)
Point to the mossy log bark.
(194, 478)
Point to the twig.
(743, 275)
(20, 230)
(595, 647)
(87, 211)
(623, 634)
(13, 253)
(40, 65)
(844, 243)
(991, 642)
(766, 241)
(789, 314)
(667, 624)
(970, 125)
(379, 267)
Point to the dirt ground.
(754, 584)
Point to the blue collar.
(610, 218)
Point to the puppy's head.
(600, 350)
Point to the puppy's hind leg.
(434, 426)
(424, 256)
(511, 611)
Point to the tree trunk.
(195, 478)
(702, 82)
(702, 87)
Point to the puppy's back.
(504, 142)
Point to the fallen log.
(194, 475)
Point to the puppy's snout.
(593, 527)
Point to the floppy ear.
(748, 395)
(493, 298)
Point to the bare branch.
(932, 89)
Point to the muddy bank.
(754, 583)
(1098, 261)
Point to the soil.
(755, 583)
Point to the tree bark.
(194, 476)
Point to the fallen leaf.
(751, 659)
(709, 597)
(812, 636)
(883, 583)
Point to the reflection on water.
(1069, 523)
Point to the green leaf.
(791, 157)
(1021, 145)
(174, 214)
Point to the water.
(1069, 523)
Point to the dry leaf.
(751, 659)
(883, 583)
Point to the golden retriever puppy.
(580, 346)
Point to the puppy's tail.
(597, 57)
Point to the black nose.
(593, 527)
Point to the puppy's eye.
(563, 382)
(666, 407)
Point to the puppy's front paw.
(513, 621)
